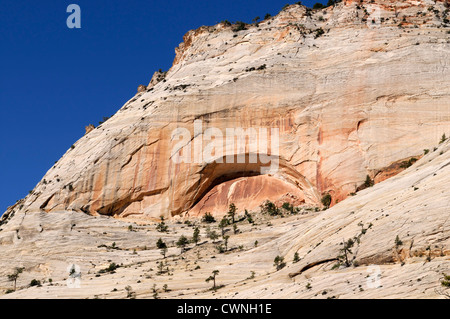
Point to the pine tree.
(196, 236)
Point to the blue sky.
(54, 80)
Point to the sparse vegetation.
(213, 279)
(222, 225)
(269, 208)
(196, 236)
(249, 217)
(398, 242)
(162, 227)
(239, 26)
(182, 243)
(232, 212)
(368, 182)
(279, 263)
(212, 234)
(35, 282)
(15, 275)
(409, 163)
(208, 218)
(318, 5)
(110, 269)
(162, 246)
(345, 251)
(130, 293)
(444, 289)
(326, 200)
(319, 32)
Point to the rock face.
(89, 128)
(412, 206)
(349, 91)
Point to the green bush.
(319, 33)
(160, 244)
(369, 182)
(279, 262)
(407, 164)
(326, 200)
(269, 208)
(240, 26)
(208, 218)
(318, 5)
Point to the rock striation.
(352, 90)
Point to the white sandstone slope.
(368, 92)
(412, 205)
(358, 99)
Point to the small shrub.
(240, 26)
(446, 281)
(182, 243)
(249, 217)
(162, 227)
(398, 242)
(213, 278)
(345, 251)
(326, 200)
(269, 208)
(232, 212)
(160, 244)
(318, 5)
(368, 182)
(279, 263)
(196, 236)
(208, 218)
(409, 163)
(319, 33)
(112, 267)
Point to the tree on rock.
(182, 243)
(279, 262)
(196, 236)
(213, 278)
(15, 275)
(232, 212)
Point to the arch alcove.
(247, 185)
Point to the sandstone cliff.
(411, 207)
(353, 89)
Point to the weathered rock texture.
(367, 92)
(412, 205)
